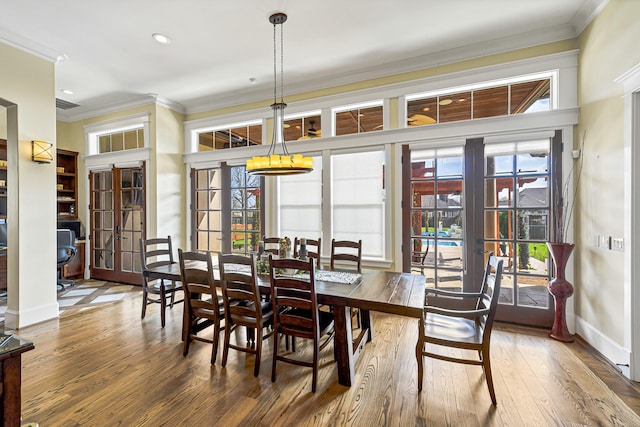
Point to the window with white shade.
(300, 203)
(342, 198)
(357, 200)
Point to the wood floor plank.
(106, 366)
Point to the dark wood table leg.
(365, 319)
(344, 345)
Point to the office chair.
(66, 254)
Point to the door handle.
(117, 237)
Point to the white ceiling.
(106, 55)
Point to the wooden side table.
(11, 380)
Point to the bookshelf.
(67, 183)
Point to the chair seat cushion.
(451, 329)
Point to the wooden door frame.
(116, 275)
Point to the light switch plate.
(617, 244)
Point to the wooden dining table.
(375, 290)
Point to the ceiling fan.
(420, 120)
(312, 132)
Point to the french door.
(227, 214)
(117, 209)
(478, 198)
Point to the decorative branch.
(561, 201)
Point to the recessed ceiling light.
(252, 80)
(445, 102)
(462, 99)
(161, 38)
(67, 91)
(425, 109)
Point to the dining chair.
(157, 252)
(421, 258)
(203, 303)
(296, 314)
(346, 251)
(243, 305)
(271, 241)
(313, 246)
(460, 328)
(349, 253)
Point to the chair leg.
(314, 377)
(419, 348)
(275, 356)
(216, 339)
(486, 364)
(187, 338)
(258, 342)
(173, 295)
(163, 304)
(144, 301)
(228, 327)
(251, 335)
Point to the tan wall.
(170, 207)
(28, 82)
(608, 48)
(166, 190)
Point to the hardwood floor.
(106, 366)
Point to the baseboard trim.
(612, 351)
(19, 319)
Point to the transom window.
(121, 135)
(230, 137)
(308, 126)
(121, 140)
(479, 101)
(358, 118)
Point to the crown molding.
(31, 47)
(589, 10)
(133, 102)
(422, 62)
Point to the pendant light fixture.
(285, 163)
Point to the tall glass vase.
(561, 289)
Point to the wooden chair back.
(314, 248)
(271, 245)
(295, 308)
(202, 301)
(157, 252)
(346, 250)
(243, 304)
(462, 328)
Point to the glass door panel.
(207, 214)
(117, 209)
(227, 213)
(451, 230)
(437, 216)
(516, 228)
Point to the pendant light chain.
(274, 164)
(275, 69)
(281, 63)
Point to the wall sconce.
(41, 151)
